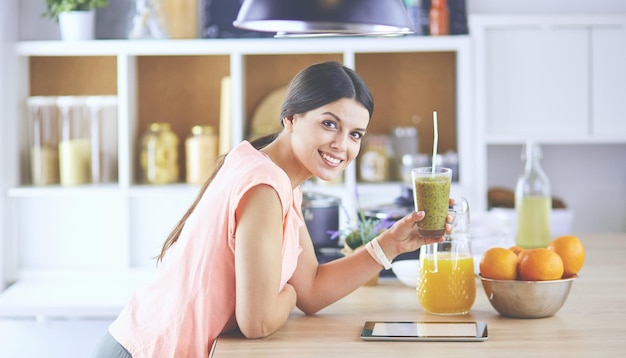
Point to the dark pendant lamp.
(293, 18)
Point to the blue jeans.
(108, 347)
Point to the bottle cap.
(198, 130)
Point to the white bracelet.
(374, 249)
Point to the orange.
(499, 263)
(540, 265)
(572, 252)
(517, 250)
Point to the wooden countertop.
(592, 322)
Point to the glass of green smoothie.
(431, 193)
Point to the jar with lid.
(404, 141)
(201, 154)
(159, 154)
(75, 144)
(374, 161)
(44, 140)
(533, 201)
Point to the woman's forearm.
(269, 317)
(336, 279)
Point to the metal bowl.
(527, 299)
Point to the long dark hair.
(311, 88)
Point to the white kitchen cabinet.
(555, 78)
(107, 235)
(537, 78)
(609, 81)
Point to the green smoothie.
(432, 194)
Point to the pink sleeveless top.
(192, 299)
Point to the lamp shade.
(320, 17)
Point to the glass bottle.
(439, 18)
(418, 16)
(446, 283)
(159, 154)
(533, 201)
(147, 23)
(201, 154)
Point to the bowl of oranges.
(531, 283)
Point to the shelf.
(62, 191)
(135, 191)
(239, 46)
(551, 140)
(72, 295)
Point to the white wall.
(8, 163)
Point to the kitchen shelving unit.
(93, 244)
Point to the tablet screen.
(424, 331)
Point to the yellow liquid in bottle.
(450, 290)
(533, 222)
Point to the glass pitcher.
(446, 282)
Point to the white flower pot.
(77, 25)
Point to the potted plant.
(76, 18)
(360, 233)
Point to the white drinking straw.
(435, 141)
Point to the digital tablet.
(425, 331)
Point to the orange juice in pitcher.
(447, 284)
(451, 287)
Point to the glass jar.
(404, 141)
(201, 154)
(374, 161)
(446, 282)
(103, 118)
(44, 140)
(159, 154)
(75, 144)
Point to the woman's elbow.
(255, 330)
(309, 309)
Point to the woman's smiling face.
(325, 140)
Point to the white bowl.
(406, 271)
(561, 220)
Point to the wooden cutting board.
(266, 117)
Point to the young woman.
(241, 257)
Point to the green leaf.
(55, 7)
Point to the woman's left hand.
(403, 237)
